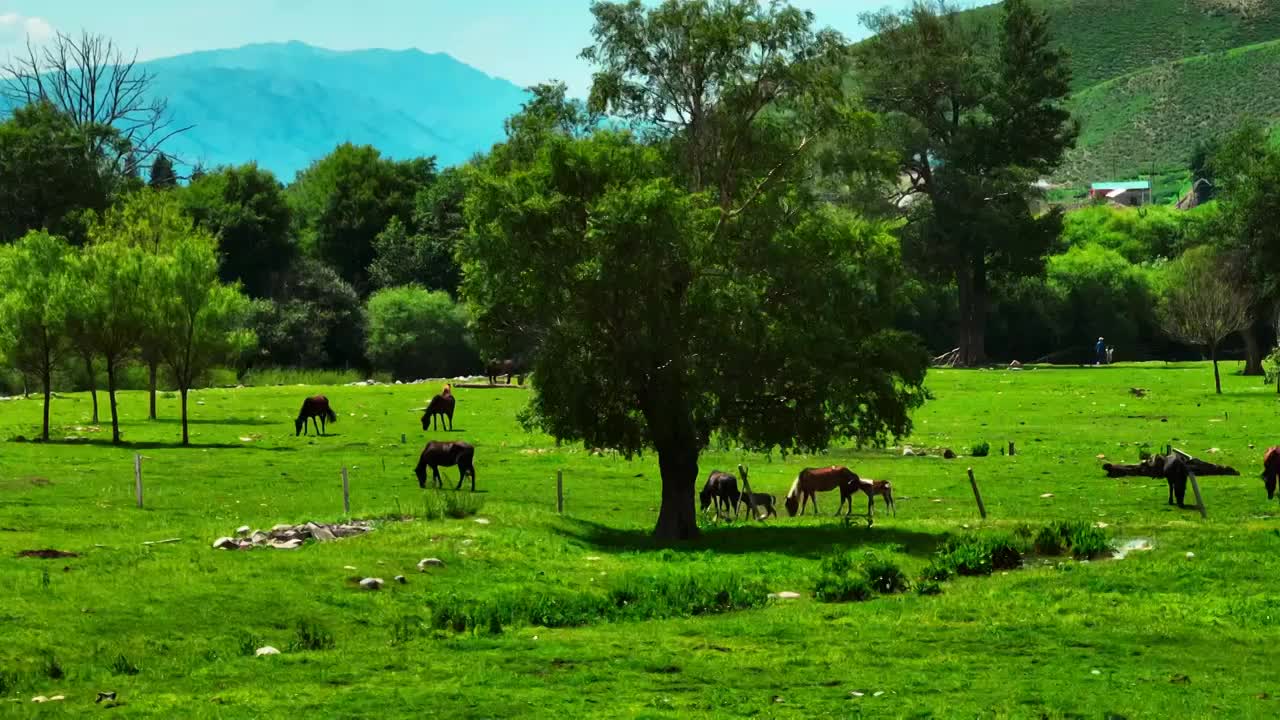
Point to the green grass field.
(171, 628)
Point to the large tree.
(199, 320)
(978, 122)
(689, 285)
(245, 208)
(162, 176)
(51, 175)
(32, 315)
(97, 85)
(421, 251)
(346, 198)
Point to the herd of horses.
(721, 489)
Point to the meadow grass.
(536, 614)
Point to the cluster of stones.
(289, 537)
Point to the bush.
(1049, 541)
(316, 322)
(312, 637)
(885, 577)
(978, 555)
(981, 449)
(842, 579)
(928, 587)
(415, 333)
(1080, 537)
(842, 588)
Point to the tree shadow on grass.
(805, 541)
(222, 421)
(156, 445)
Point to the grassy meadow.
(540, 615)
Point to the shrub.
(312, 637)
(842, 588)
(885, 577)
(414, 333)
(928, 587)
(1049, 541)
(316, 322)
(981, 449)
(978, 555)
(122, 666)
(1080, 537)
(248, 643)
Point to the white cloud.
(16, 29)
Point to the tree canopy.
(246, 209)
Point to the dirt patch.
(46, 554)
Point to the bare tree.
(96, 84)
(1202, 305)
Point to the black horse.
(440, 407)
(505, 367)
(447, 454)
(723, 489)
(313, 408)
(762, 501)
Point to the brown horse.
(873, 488)
(1271, 470)
(722, 488)
(815, 480)
(313, 408)
(440, 407)
(447, 454)
(505, 367)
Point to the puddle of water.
(1129, 546)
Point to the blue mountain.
(285, 105)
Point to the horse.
(447, 454)
(1175, 472)
(722, 488)
(815, 480)
(763, 501)
(440, 407)
(507, 367)
(313, 408)
(1271, 470)
(873, 488)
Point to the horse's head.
(793, 505)
(704, 497)
(426, 418)
(298, 424)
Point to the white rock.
(908, 451)
(293, 544)
(259, 537)
(281, 528)
(243, 530)
(592, 558)
(855, 693)
(348, 567)
(786, 595)
(321, 534)
(39, 699)
(425, 563)
(483, 521)
(266, 650)
(1190, 555)
(56, 698)
(402, 580)
(877, 693)
(1095, 672)
(371, 583)
(225, 543)
(1047, 495)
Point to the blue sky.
(525, 41)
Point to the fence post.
(977, 495)
(346, 493)
(1195, 487)
(137, 477)
(1012, 449)
(746, 489)
(403, 439)
(560, 491)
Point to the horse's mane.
(795, 488)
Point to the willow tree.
(685, 285)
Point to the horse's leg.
(435, 476)
(462, 475)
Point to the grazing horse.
(447, 454)
(1271, 470)
(313, 408)
(1175, 472)
(723, 489)
(763, 501)
(440, 407)
(815, 480)
(505, 367)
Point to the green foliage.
(980, 449)
(52, 173)
(884, 575)
(977, 555)
(316, 323)
(416, 333)
(1083, 539)
(121, 665)
(1103, 294)
(33, 307)
(245, 208)
(441, 504)
(312, 636)
(850, 577)
(162, 175)
(346, 198)
(422, 251)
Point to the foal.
(440, 408)
(873, 488)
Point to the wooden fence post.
(137, 477)
(403, 439)
(1195, 487)
(977, 495)
(746, 489)
(346, 493)
(1012, 449)
(560, 492)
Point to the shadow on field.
(222, 421)
(806, 541)
(155, 445)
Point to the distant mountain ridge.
(284, 105)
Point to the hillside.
(284, 105)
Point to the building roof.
(1126, 185)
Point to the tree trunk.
(1252, 351)
(186, 440)
(47, 380)
(111, 400)
(152, 369)
(677, 517)
(971, 282)
(1217, 379)
(93, 385)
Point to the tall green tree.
(346, 198)
(112, 296)
(200, 321)
(33, 332)
(1201, 306)
(163, 176)
(245, 208)
(415, 333)
(152, 221)
(690, 285)
(978, 121)
(51, 176)
(422, 251)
